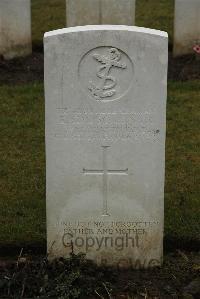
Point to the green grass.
(182, 208)
(156, 14)
(22, 166)
(50, 14)
(47, 15)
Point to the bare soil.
(30, 69)
(35, 277)
(22, 70)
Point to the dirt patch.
(183, 68)
(22, 70)
(35, 277)
(31, 68)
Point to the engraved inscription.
(107, 83)
(116, 235)
(106, 74)
(106, 126)
(105, 172)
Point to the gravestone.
(186, 26)
(15, 28)
(105, 90)
(87, 12)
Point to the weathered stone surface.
(87, 12)
(186, 26)
(15, 28)
(105, 90)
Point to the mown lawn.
(51, 14)
(47, 15)
(182, 192)
(22, 164)
(156, 14)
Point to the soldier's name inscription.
(109, 126)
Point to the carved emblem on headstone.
(107, 82)
(106, 73)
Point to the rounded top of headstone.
(106, 28)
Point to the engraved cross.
(105, 172)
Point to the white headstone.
(87, 12)
(15, 28)
(186, 26)
(105, 90)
